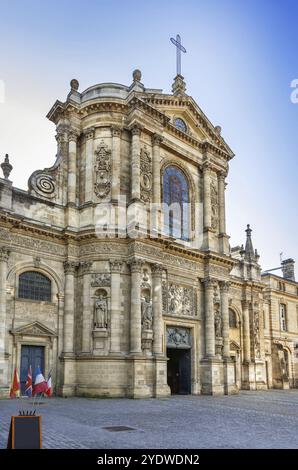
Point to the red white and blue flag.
(48, 391)
(40, 384)
(28, 384)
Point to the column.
(207, 196)
(221, 201)
(89, 152)
(87, 313)
(224, 296)
(209, 317)
(157, 309)
(246, 331)
(72, 168)
(4, 254)
(69, 307)
(135, 162)
(116, 141)
(156, 141)
(116, 267)
(135, 307)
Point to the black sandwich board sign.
(25, 432)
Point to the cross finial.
(179, 48)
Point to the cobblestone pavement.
(248, 420)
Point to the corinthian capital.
(86, 266)
(136, 129)
(4, 253)
(135, 265)
(157, 269)
(89, 133)
(157, 139)
(116, 131)
(224, 286)
(73, 135)
(116, 265)
(209, 283)
(70, 267)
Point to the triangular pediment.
(33, 329)
(199, 126)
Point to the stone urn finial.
(6, 167)
(74, 84)
(137, 75)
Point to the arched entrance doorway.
(179, 360)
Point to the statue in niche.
(146, 310)
(217, 322)
(101, 312)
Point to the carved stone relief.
(256, 329)
(146, 174)
(102, 184)
(178, 337)
(178, 300)
(100, 280)
(214, 205)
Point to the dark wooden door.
(34, 356)
(184, 372)
(179, 371)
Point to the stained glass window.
(34, 286)
(180, 124)
(176, 203)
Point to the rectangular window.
(282, 316)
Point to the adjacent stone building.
(115, 267)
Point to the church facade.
(116, 272)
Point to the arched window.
(232, 319)
(34, 286)
(176, 203)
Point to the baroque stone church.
(115, 267)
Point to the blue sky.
(241, 58)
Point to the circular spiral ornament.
(44, 185)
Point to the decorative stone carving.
(116, 131)
(217, 321)
(116, 266)
(100, 280)
(256, 330)
(146, 281)
(6, 167)
(214, 205)
(178, 337)
(89, 133)
(157, 139)
(70, 267)
(37, 262)
(145, 174)
(164, 291)
(178, 300)
(86, 266)
(4, 253)
(101, 311)
(43, 184)
(102, 184)
(146, 310)
(135, 265)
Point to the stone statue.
(146, 309)
(217, 323)
(101, 312)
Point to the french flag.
(40, 384)
(48, 391)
